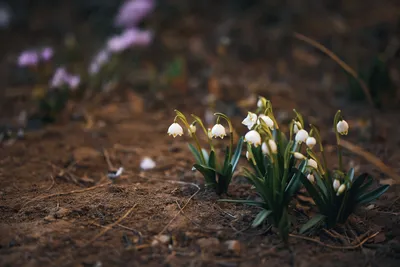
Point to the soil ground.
(58, 208)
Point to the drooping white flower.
(147, 164)
(259, 103)
(312, 163)
(218, 131)
(298, 155)
(253, 138)
(272, 145)
(311, 142)
(192, 129)
(267, 120)
(296, 127)
(336, 184)
(311, 178)
(250, 120)
(301, 136)
(341, 189)
(175, 129)
(342, 127)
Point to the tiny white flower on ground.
(298, 155)
(272, 145)
(218, 131)
(342, 127)
(336, 184)
(301, 136)
(267, 120)
(311, 178)
(147, 163)
(341, 189)
(175, 129)
(253, 138)
(311, 142)
(250, 120)
(312, 163)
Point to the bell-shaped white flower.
(175, 129)
(272, 145)
(301, 136)
(296, 127)
(311, 142)
(268, 121)
(341, 189)
(250, 120)
(253, 138)
(311, 178)
(298, 155)
(342, 127)
(192, 129)
(218, 131)
(336, 184)
(312, 163)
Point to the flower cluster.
(31, 58)
(61, 78)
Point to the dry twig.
(108, 227)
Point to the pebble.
(234, 246)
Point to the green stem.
(230, 132)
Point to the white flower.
(342, 127)
(192, 129)
(253, 138)
(218, 131)
(311, 142)
(267, 120)
(250, 120)
(296, 127)
(336, 184)
(272, 145)
(301, 136)
(298, 155)
(341, 189)
(175, 129)
(312, 163)
(259, 103)
(147, 163)
(311, 178)
(247, 155)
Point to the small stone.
(49, 218)
(234, 246)
(62, 212)
(208, 243)
(161, 239)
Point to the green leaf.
(211, 160)
(313, 222)
(244, 201)
(261, 216)
(317, 197)
(350, 175)
(196, 154)
(299, 118)
(208, 174)
(236, 155)
(368, 197)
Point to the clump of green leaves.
(273, 159)
(217, 174)
(336, 193)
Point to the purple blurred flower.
(129, 38)
(73, 81)
(28, 58)
(47, 53)
(133, 11)
(59, 78)
(98, 61)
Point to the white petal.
(147, 163)
(301, 136)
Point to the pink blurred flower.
(129, 38)
(133, 11)
(73, 81)
(47, 53)
(28, 58)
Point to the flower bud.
(336, 184)
(311, 142)
(341, 189)
(342, 127)
(312, 163)
(298, 155)
(192, 129)
(268, 121)
(311, 178)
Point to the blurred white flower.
(312, 163)
(311, 142)
(311, 178)
(147, 164)
(298, 155)
(341, 189)
(336, 184)
(272, 145)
